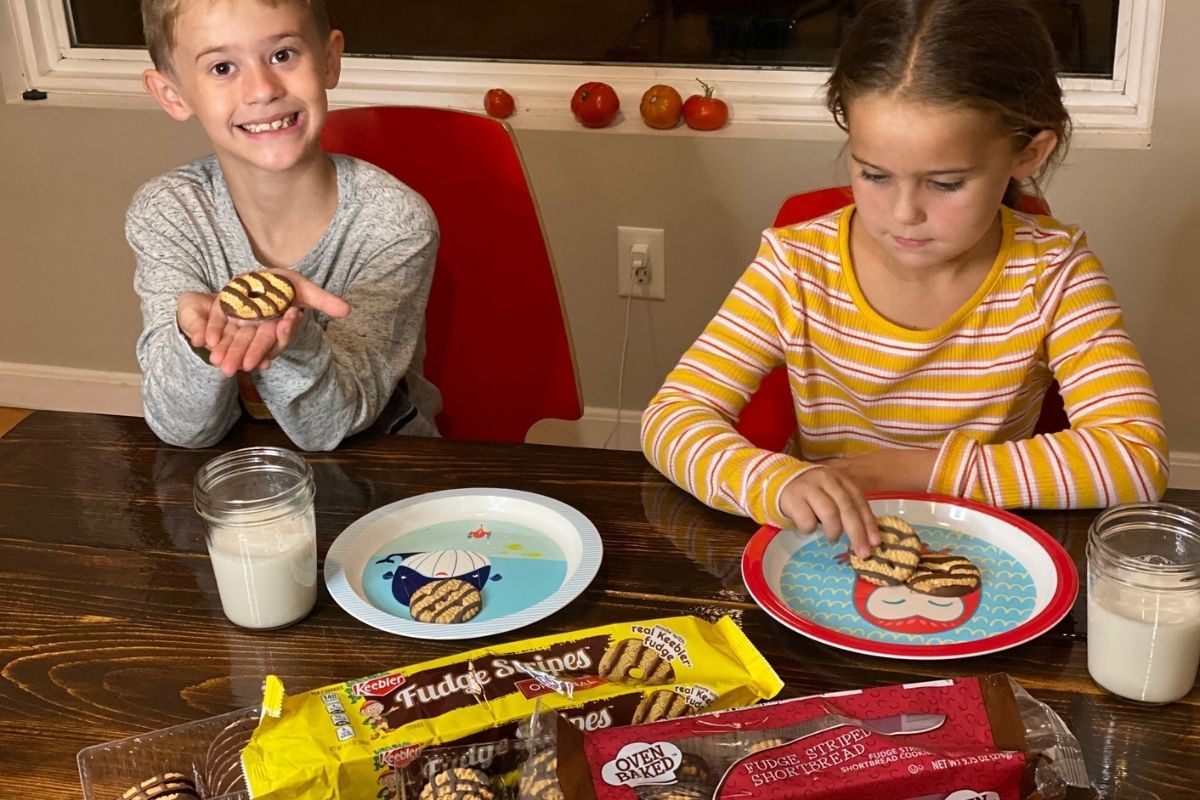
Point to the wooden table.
(110, 624)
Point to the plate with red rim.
(1028, 583)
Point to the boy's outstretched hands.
(239, 345)
(829, 499)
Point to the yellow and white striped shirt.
(969, 388)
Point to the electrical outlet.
(645, 246)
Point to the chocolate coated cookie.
(678, 791)
(943, 575)
(893, 561)
(539, 778)
(693, 769)
(445, 602)
(460, 783)
(223, 759)
(663, 704)
(168, 786)
(257, 296)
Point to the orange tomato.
(661, 107)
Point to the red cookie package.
(979, 738)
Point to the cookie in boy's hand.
(257, 295)
(445, 602)
(893, 561)
(944, 575)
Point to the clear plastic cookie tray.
(206, 751)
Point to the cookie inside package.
(980, 738)
(352, 740)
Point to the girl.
(921, 326)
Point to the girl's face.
(928, 180)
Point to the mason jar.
(257, 505)
(1144, 601)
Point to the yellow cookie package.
(348, 741)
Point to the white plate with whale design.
(529, 555)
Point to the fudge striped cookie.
(765, 744)
(678, 791)
(168, 786)
(893, 561)
(223, 759)
(257, 295)
(692, 769)
(944, 575)
(662, 704)
(460, 783)
(539, 778)
(631, 661)
(445, 602)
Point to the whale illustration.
(414, 570)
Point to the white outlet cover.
(655, 241)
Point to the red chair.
(769, 418)
(497, 342)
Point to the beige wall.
(67, 175)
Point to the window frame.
(36, 53)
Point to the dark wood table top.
(110, 624)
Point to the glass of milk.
(1144, 601)
(257, 504)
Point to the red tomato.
(705, 113)
(661, 107)
(595, 104)
(498, 103)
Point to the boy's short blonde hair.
(158, 25)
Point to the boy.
(255, 74)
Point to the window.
(768, 58)
(714, 33)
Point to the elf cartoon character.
(387, 785)
(372, 713)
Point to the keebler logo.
(378, 687)
(400, 756)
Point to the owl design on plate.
(414, 570)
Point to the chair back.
(497, 341)
(769, 418)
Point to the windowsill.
(764, 103)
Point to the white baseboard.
(68, 389)
(598, 428)
(1185, 471)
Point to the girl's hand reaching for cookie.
(236, 344)
(826, 498)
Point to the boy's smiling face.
(255, 76)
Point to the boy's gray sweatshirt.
(337, 376)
